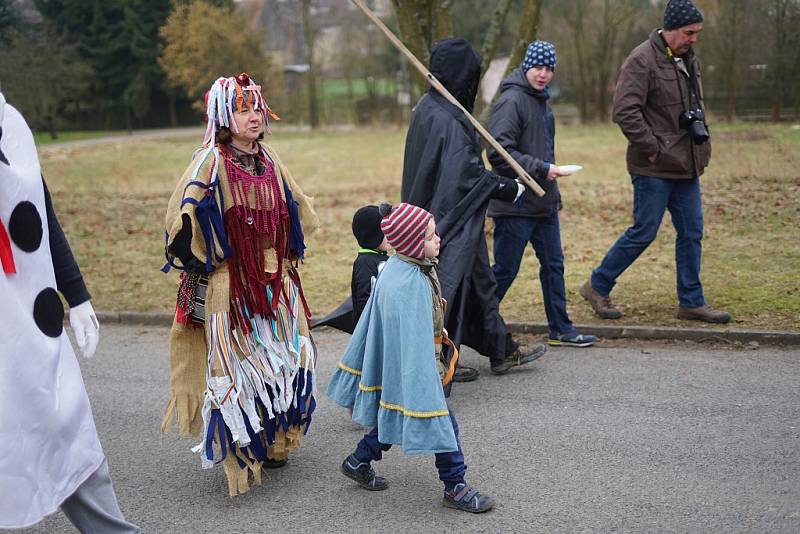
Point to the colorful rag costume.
(242, 359)
(49, 450)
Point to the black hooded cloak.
(443, 172)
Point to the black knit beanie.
(680, 13)
(367, 225)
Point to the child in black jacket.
(371, 254)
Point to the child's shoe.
(363, 474)
(465, 497)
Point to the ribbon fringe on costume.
(256, 406)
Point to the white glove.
(86, 327)
(520, 189)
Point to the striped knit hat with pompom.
(404, 228)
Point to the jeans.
(511, 235)
(651, 197)
(450, 465)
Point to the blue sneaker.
(466, 498)
(572, 340)
(363, 474)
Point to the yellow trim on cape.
(350, 370)
(410, 413)
(362, 387)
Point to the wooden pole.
(522, 173)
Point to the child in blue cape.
(392, 372)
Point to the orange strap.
(448, 377)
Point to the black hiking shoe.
(518, 357)
(269, 463)
(465, 373)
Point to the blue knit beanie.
(680, 13)
(539, 54)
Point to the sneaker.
(519, 357)
(465, 374)
(602, 306)
(572, 340)
(703, 313)
(363, 473)
(465, 497)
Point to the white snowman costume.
(48, 442)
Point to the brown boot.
(602, 306)
(703, 313)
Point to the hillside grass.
(111, 200)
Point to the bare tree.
(442, 19)
(422, 23)
(494, 33)
(309, 34)
(727, 40)
(784, 16)
(596, 29)
(529, 27)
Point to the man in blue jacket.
(523, 123)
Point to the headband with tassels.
(228, 95)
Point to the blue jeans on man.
(651, 198)
(450, 465)
(511, 235)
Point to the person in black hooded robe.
(443, 173)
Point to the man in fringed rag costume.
(392, 372)
(50, 455)
(242, 359)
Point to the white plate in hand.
(570, 169)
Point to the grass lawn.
(44, 138)
(111, 201)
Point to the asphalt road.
(623, 437)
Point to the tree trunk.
(51, 125)
(128, 118)
(780, 77)
(730, 87)
(173, 112)
(529, 26)
(583, 72)
(442, 19)
(408, 20)
(493, 34)
(309, 36)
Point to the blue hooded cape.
(388, 374)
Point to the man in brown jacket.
(658, 104)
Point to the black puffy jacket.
(523, 124)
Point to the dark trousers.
(450, 465)
(651, 198)
(511, 235)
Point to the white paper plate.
(571, 169)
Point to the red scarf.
(258, 219)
